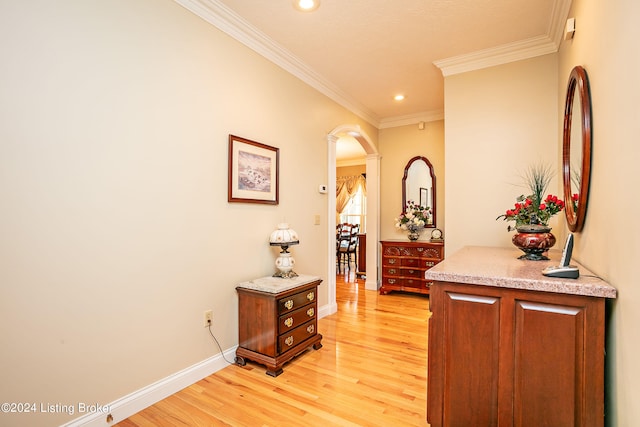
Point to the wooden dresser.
(509, 346)
(405, 262)
(277, 320)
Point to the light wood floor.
(371, 371)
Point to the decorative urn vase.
(534, 240)
(413, 235)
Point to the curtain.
(346, 187)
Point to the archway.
(373, 207)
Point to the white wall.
(499, 121)
(605, 43)
(116, 231)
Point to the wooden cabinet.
(506, 356)
(362, 255)
(277, 320)
(405, 262)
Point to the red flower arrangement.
(527, 212)
(532, 210)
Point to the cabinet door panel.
(549, 364)
(472, 338)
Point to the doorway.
(373, 207)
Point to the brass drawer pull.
(392, 261)
(411, 271)
(289, 304)
(420, 249)
(289, 341)
(392, 281)
(311, 296)
(311, 312)
(311, 328)
(392, 271)
(429, 263)
(288, 322)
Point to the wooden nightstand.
(277, 320)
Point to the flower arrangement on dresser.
(532, 213)
(413, 219)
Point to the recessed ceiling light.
(398, 97)
(306, 5)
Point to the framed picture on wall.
(253, 171)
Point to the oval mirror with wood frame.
(419, 186)
(576, 148)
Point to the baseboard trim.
(327, 310)
(135, 402)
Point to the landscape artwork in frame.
(253, 171)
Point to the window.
(356, 210)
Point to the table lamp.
(284, 237)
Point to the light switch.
(316, 220)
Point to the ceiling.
(361, 53)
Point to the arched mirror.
(576, 148)
(419, 186)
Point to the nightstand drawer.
(296, 336)
(296, 301)
(290, 321)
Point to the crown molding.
(227, 21)
(558, 21)
(425, 116)
(511, 52)
(351, 162)
(504, 54)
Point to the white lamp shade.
(283, 235)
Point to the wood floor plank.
(371, 371)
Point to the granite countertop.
(275, 285)
(500, 267)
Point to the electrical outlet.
(207, 318)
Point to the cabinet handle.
(392, 271)
(391, 281)
(420, 249)
(311, 296)
(311, 312)
(429, 263)
(311, 328)
(411, 271)
(392, 261)
(288, 322)
(288, 304)
(289, 341)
